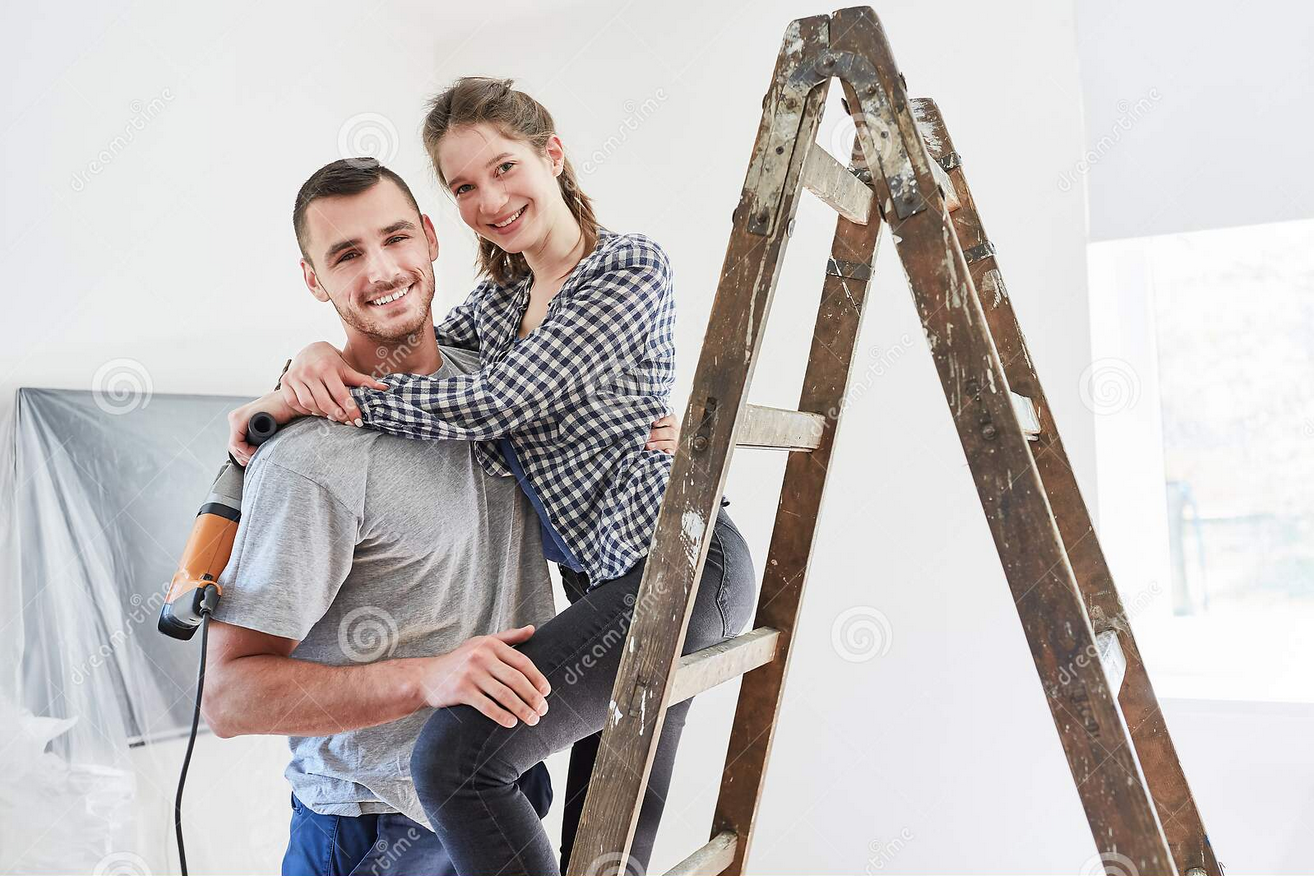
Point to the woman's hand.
(272, 404)
(317, 382)
(665, 435)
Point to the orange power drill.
(194, 590)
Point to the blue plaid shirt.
(577, 397)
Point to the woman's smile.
(509, 224)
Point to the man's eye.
(346, 256)
(398, 237)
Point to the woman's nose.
(493, 202)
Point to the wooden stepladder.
(905, 173)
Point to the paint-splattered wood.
(1117, 805)
(705, 669)
(743, 298)
(709, 860)
(779, 429)
(1182, 824)
(830, 361)
(836, 186)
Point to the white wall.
(937, 755)
(1197, 116)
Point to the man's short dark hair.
(346, 176)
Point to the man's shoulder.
(464, 361)
(332, 455)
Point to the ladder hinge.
(850, 270)
(950, 161)
(978, 252)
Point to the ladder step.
(1112, 659)
(710, 859)
(705, 669)
(1027, 417)
(780, 429)
(836, 185)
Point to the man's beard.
(392, 332)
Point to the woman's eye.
(460, 190)
(506, 164)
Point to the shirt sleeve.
(458, 328)
(292, 551)
(600, 329)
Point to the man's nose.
(381, 269)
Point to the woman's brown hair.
(475, 99)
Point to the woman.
(574, 327)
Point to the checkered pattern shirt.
(577, 397)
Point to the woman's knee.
(446, 753)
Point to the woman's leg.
(465, 765)
(723, 607)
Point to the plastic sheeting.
(100, 497)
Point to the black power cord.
(209, 599)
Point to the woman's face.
(506, 190)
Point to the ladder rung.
(1112, 659)
(710, 859)
(1027, 417)
(705, 669)
(836, 185)
(780, 429)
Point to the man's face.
(372, 256)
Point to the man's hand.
(665, 435)
(317, 381)
(272, 404)
(487, 673)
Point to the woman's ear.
(556, 154)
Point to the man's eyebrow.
(457, 179)
(403, 225)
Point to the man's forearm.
(269, 694)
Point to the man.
(373, 579)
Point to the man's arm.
(254, 686)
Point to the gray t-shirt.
(365, 547)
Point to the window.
(1203, 390)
